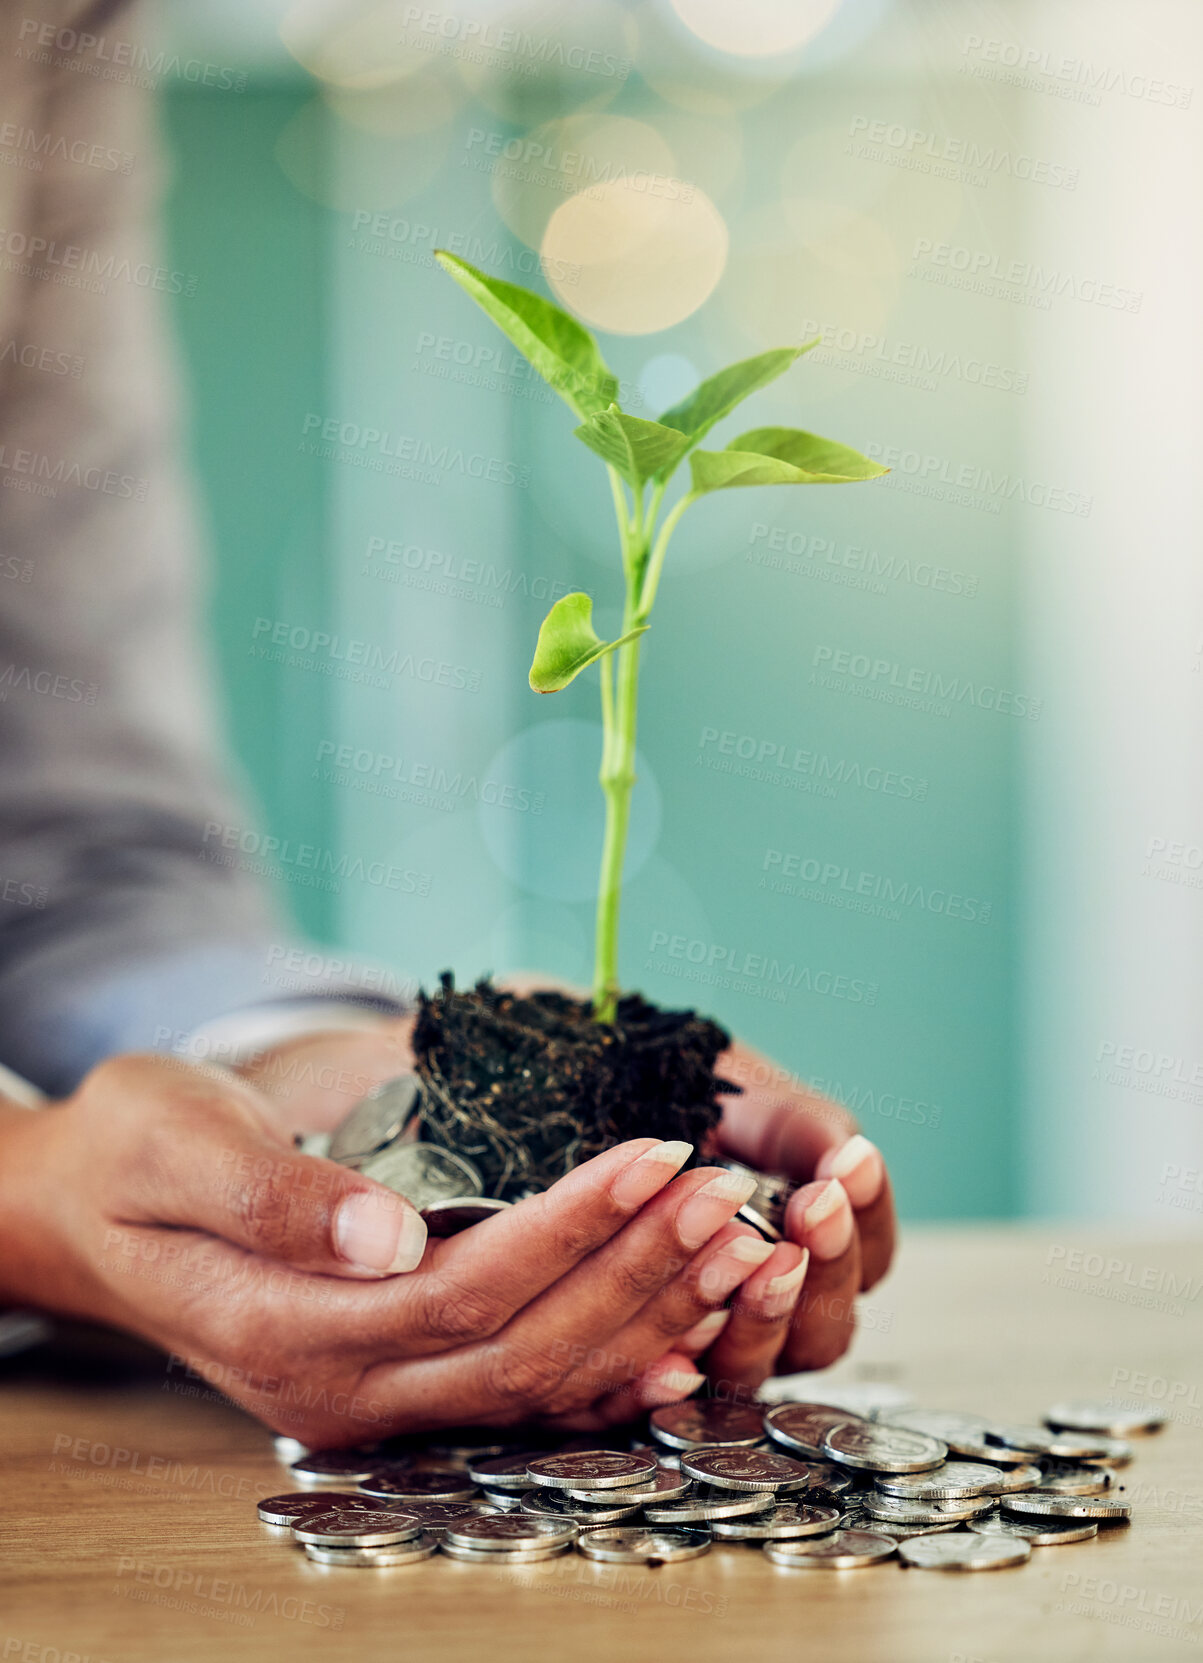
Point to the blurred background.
(919, 809)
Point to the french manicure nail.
(732, 1264)
(709, 1208)
(375, 1237)
(828, 1222)
(683, 1381)
(781, 1294)
(859, 1167)
(641, 1180)
(704, 1333)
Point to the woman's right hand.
(164, 1199)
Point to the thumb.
(208, 1158)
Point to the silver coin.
(873, 1447)
(780, 1523)
(557, 1504)
(802, 1427)
(289, 1450)
(505, 1501)
(902, 1532)
(593, 1469)
(1068, 1479)
(1041, 1533)
(299, 1504)
(704, 1504)
(1114, 1421)
(964, 1434)
(906, 1511)
(1023, 1477)
(448, 1218)
(1041, 1441)
(423, 1173)
(511, 1533)
(745, 1469)
(705, 1420)
(379, 1558)
(953, 1478)
(762, 1222)
(356, 1529)
(376, 1120)
(503, 1472)
(313, 1143)
(964, 1550)
(664, 1485)
(1110, 1452)
(489, 1556)
(645, 1547)
(436, 1516)
(1028, 1505)
(335, 1466)
(414, 1484)
(844, 1550)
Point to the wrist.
(35, 1259)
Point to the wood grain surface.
(128, 1531)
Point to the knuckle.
(264, 1208)
(636, 1279)
(457, 1313)
(517, 1377)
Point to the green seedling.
(641, 458)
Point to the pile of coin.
(810, 1485)
(380, 1137)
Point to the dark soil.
(527, 1088)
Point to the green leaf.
(561, 349)
(780, 456)
(718, 395)
(568, 644)
(638, 449)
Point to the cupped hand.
(164, 1199)
(842, 1216)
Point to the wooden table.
(130, 1534)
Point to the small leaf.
(568, 644)
(718, 395)
(780, 456)
(638, 449)
(560, 349)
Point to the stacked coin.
(807, 1486)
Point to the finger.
(759, 1323)
(688, 1302)
(533, 1365)
(703, 1334)
(819, 1219)
(207, 1158)
(860, 1169)
(517, 1254)
(670, 1379)
(780, 1126)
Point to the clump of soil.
(528, 1087)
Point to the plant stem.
(642, 567)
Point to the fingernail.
(709, 1208)
(859, 1167)
(781, 1293)
(641, 1180)
(704, 1333)
(682, 1381)
(828, 1222)
(378, 1238)
(731, 1265)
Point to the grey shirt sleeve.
(118, 916)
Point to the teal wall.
(293, 314)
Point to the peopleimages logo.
(838, 885)
(843, 671)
